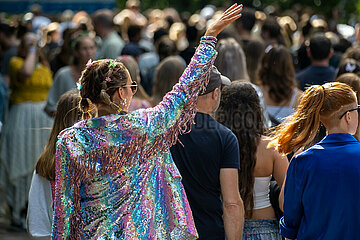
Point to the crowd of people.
(229, 123)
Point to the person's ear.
(215, 94)
(121, 93)
(331, 53)
(347, 117)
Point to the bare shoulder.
(264, 142)
(264, 158)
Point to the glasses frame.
(350, 110)
(133, 87)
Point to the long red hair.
(301, 127)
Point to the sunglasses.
(358, 110)
(133, 86)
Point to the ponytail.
(301, 127)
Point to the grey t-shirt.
(111, 47)
(63, 82)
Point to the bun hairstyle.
(301, 127)
(98, 83)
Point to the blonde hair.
(301, 127)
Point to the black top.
(315, 75)
(207, 148)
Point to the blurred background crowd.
(156, 40)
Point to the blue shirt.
(322, 191)
(315, 75)
(209, 147)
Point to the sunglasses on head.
(358, 110)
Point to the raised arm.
(177, 108)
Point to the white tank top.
(261, 192)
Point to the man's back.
(315, 75)
(209, 147)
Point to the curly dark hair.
(241, 112)
(277, 72)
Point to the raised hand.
(231, 14)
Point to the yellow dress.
(34, 88)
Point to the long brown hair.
(254, 52)
(241, 112)
(167, 74)
(301, 127)
(67, 113)
(277, 72)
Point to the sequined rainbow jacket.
(115, 178)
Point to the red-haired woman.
(322, 188)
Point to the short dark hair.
(247, 19)
(272, 27)
(320, 47)
(104, 17)
(134, 33)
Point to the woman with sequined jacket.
(115, 178)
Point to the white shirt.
(40, 212)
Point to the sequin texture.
(115, 178)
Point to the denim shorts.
(261, 229)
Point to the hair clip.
(89, 63)
(350, 67)
(78, 86)
(108, 79)
(112, 63)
